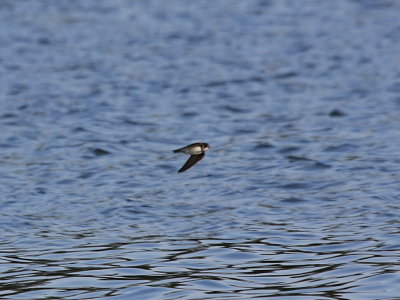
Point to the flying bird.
(196, 151)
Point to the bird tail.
(176, 151)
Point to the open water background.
(297, 199)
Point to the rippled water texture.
(298, 197)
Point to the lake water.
(297, 199)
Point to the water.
(297, 199)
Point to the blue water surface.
(298, 198)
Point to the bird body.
(196, 152)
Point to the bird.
(196, 151)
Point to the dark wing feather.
(184, 148)
(193, 159)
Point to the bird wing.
(184, 148)
(193, 159)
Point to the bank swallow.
(196, 151)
